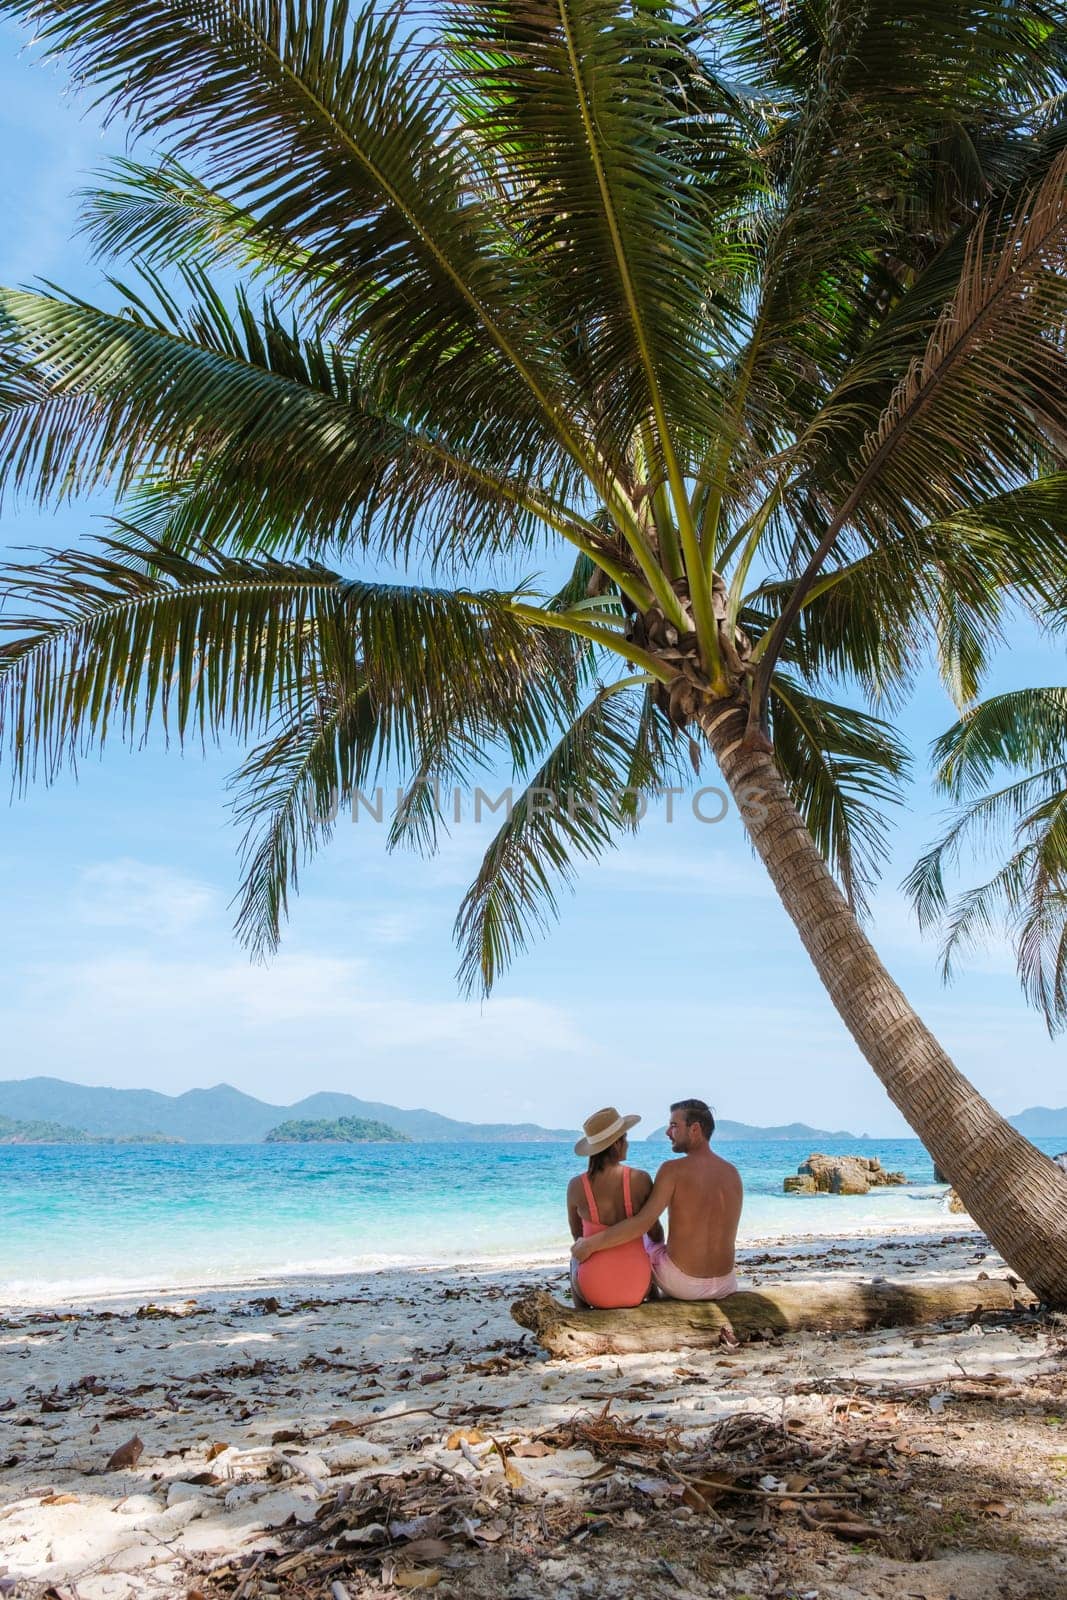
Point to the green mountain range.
(224, 1115)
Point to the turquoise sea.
(91, 1220)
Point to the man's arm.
(642, 1190)
(632, 1227)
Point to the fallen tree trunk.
(790, 1308)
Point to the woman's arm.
(574, 1216)
(632, 1227)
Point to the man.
(702, 1196)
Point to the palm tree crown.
(757, 311)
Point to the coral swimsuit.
(620, 1276)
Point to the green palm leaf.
(165, 216)
(574, 273)
(841, 767)
(572, 809)
(1027, 894)
(124, 632)
(308, 117)
(260, 427)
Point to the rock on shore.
(821, 1174)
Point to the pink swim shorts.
(678, 1285)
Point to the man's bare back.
(703, 1198)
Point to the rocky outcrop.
(821, 1174)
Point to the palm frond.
(586, 110)
(310, 118)
(273, 437)
(954, 425)
(947, 584)
(292, 788)
(842, 767)
(125, 632)
(572, 809)
(165, 216)
(1026, 896)
(1022, 728)
(312, 768)
(105, 638)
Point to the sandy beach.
(388, 1433)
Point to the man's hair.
(697, 1111)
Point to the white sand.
(77, 1383)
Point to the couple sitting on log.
(619, 1251)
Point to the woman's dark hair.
(697, 1111)
(604, 1158)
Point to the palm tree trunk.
(1016, 1194)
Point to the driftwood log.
(790, 1308)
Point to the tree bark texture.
(789, 1308)
(1013, 1191)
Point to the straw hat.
(601, 1130)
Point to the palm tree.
(1025, 732)
(755, 312)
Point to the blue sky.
(673, 971)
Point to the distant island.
(1042, 1122)
(224, 1115)
(13, 1131)
(341, 1130)
(725, 1129)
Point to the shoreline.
(88, 1294)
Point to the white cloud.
(136, 895)
(693, 872)
(332, 1006)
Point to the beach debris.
(854, 1529)
(127, 1455)
(468, 1455)
(611, 1439)
(461, 1436)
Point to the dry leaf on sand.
(127, 1455)
(461, 1436)
(424, 1550)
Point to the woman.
(598, 1198)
